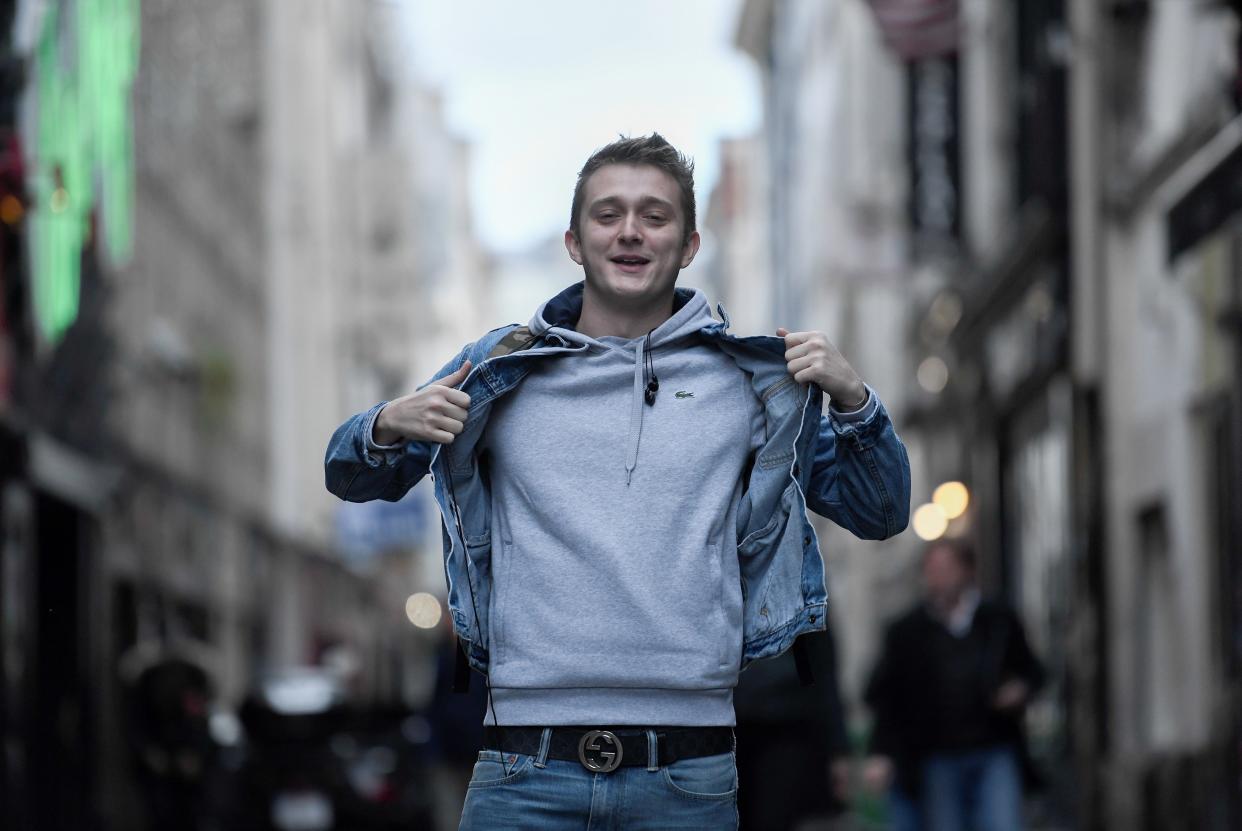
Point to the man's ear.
(690, 249)
(571, 245)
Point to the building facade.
(1156, 143)
(211, 252)
(1092, 379)
(1052, 189)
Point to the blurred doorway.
(60, 738)
(1038, 514)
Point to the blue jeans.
(903, 812)
(977, 790)
(518, 791)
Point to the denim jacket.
(855, 473)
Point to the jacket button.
(814, 618)
(764, 611)
(806, 541)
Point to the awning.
(919, 29)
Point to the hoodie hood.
(562, 312)
(690, 315)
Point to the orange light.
(11, 210)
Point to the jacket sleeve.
(357, 469)
(860, 477)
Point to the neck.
(601, 319)
(947, 604)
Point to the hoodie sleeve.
(357, 469)
(860, 478)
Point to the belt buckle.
(600, 751)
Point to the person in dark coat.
(948, 692)
(792, 757)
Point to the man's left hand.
(812, 359)
(1011, 696)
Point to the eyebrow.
(644, 202)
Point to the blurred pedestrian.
(948, 693)
(793, 751)
(456, 731)
(629, 529)
(167, 706)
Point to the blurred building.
(525, 279)
(1020, 221)
(222, 229)
(67, 219)
(739, 268)
(1155, 111)
(1086, 379)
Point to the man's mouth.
(630, 263)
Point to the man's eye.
(607, 215)
(656, 218)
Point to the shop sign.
(81, 178)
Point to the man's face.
(944, 577)
(630, 234)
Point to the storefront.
(1204, 245)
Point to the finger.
(456, 377)
(799, 364)
(442, 437)
(804, 376)
(798, 351)
(781, 331)
(448, 425)
(795, 338)
(454, 412)
(456, 397)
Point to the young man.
(624, 488)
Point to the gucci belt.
(604, 749)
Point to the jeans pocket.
(496, 768)
(705, 777)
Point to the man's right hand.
(436, 413)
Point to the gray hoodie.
(616, 596)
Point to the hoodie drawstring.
(636, 409)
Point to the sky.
(536, 86)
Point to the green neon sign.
(85, 61)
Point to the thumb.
(781, 331)
(456, 377)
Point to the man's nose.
(631, 230)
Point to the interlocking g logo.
(600, 751)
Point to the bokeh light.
(953, 498)
(930, 522)
(423, 610)
(933, 374)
